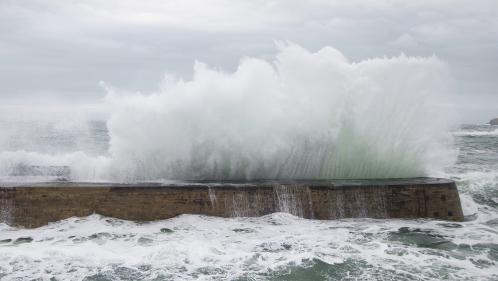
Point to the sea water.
(277, 246)
(378, 118)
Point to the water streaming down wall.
(6, 205)
(250, 201)
(294, 199)
(34, 205)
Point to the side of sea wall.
(37, 205)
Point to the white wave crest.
(304, 115)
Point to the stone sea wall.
(33, 205)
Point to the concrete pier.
(36, 204)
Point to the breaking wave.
(303, 115)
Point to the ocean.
(278, 246)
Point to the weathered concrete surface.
(33, 205)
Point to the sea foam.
(303, 115)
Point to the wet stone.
(308, 199)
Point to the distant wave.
(476, 133)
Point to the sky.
(59, 51)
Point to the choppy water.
(278, 246)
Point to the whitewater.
(302, 115)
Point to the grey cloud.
(62, 49)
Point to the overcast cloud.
(59, 50)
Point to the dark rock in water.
(166, 230)
(22, 240)
(494, 122)
(5, 241)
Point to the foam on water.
(270, 247)
(274, 247)
(304, 115)
(378, 118)
(482, 131)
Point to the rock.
(494, 122)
